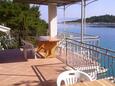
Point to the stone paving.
(16, 71)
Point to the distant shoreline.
(95, 23)
(88, 22)
(99, 24)
(102, 20)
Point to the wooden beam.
(46, 2)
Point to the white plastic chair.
(72, 76)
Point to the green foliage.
(6, 43)
(23, 20)
(103, 18)
(99, 19)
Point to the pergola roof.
(46, 2)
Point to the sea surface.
(106, 33)
(107, 39)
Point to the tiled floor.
(16, 71)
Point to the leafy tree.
(23, 20)
(98, 19)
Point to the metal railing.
(90, 39)
(96, 61)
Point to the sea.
(105, 32)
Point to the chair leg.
(25, 54)
(35, 55)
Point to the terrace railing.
(90, 39)
(96, 61)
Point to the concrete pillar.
(52, 13)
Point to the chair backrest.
(72, 76)
(27, 45)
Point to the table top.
(101, 82)
(47, 38)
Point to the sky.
(100, 7)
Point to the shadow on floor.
(16, 75)
(35, 83)
(27, 83)
(11, 55)
(47, 73)
(42, 79)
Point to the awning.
(46, 2)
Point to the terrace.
(18, 71)
(71, 53)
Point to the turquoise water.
(107, 39)
(107, 34)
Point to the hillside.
(98, 19)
